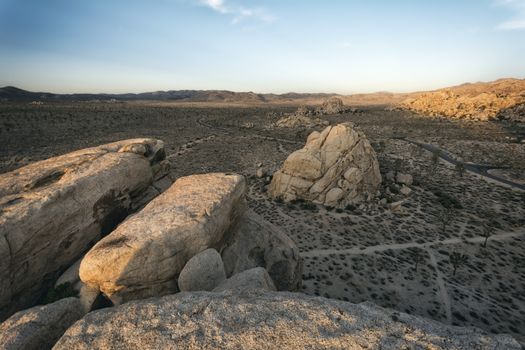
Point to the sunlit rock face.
(336, 167)
(479, 101)
(144, 255)
(262, 320)
(53, 211)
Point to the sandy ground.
(365, 253)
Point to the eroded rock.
(39, 328)
(52, 211)
(336, 167)
(254, 242)
(262, 320)
(203, 272)
(252, 279)
(145, 254)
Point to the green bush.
(447, 201)
(61, 291)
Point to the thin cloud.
(517, 21)
(216, 5)
(238, 13)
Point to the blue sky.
(343, 46)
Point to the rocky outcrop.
(333, 105)
(203, 272)
(309, 117)
(40, 327)
(252, 279)
(514, 114)
(480, 101)
(337, 167)
(266, 321)
(146, 253)
(254, 242)
(303, 121)
(54, 210)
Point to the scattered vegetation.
(460, 168)
(61, 291)
(456, 260)
(447, 201)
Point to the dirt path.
(400, 246)
(478, 169)
(445, 298)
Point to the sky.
(338, 46)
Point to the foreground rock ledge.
(145, 254)
(268, 320)
(39, 327)
(52, 211)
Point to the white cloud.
(512, 24)
(239, 13)
(217, 5)
(517, 21)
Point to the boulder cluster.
(52, 211)
(337, 167)
(309, 117)
(185, 264)
(513, 114)
(69, 215)
(481, 101)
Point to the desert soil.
(355, 254)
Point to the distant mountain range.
(11, 93)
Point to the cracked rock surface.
(145, 254)
(271, 320)
(54, 210)
(336, 167)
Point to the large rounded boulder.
(336, 167)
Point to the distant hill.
(501, 99)
(11, 93)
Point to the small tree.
(417, 257)
(436, 154)
(488, 230)
(445, 217)
(397, 166)
(457, 259)
(460, 168)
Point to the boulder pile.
(480, 101)
(336, 167)
(171, 237)
(53, 211)
(513, 114)
(309, 117)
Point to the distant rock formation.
(263, 320)
(333, 105)
(336, 167)
(309, 117)
(481, 101)
(52, 211)
(513, 114)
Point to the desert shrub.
(308, 206)
(447, 201)
(64, 290)
(350, 207)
